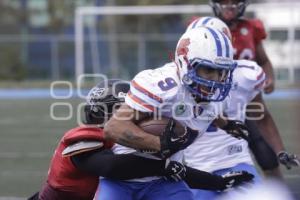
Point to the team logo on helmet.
(182, 48)
(95, 95)
(121, 95)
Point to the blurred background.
(45, 44)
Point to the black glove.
(236, 178)
(288, 160)
(170, 142)
(237, 129)
(174, 171)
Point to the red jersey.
(64, 179)
(245, 36)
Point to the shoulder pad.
(257, 23)
(150, 88)
(81, 147)
(83, 133)
(249, 75)
(259, 30)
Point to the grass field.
(29, 136)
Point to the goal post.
(283, 54)
(81, 12)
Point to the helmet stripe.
(206, 20)
(195, 23)
(226, 44)
(217, 41)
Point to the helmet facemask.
(208, 81)
(204, 58)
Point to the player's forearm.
(121, 167)
(268, 69)
(197, 179)
(128, 134)
(264, 61)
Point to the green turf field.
(29, 136)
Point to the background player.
(247, 35)
(83, 155)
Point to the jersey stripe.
(146, 92)
(246, 66)
(140, 101)
(217, 41)
(260, 75)
(259, 85)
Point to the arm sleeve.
(259, 31)
(121, 167)
(197, 179)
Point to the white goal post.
(122, 10)
(259, 9)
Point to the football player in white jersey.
(266, 156)
(216, 151)
(191, 90)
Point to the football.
(157, 126)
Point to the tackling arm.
(128, 166)
(197, 179)
(122, 167)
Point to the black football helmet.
(103, 99)
(218, 9)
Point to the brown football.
(157, 126)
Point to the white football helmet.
(211, 22)
(205, 47)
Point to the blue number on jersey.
(168, 84)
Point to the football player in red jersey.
(83, 155)
(247, 35)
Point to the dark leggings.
(264, 154)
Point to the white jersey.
(248, 81)
(160, 89)
(216, 149)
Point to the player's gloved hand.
(170, 142)
(236, 178)
(288, 160)
(174, 171)
(237, 129)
